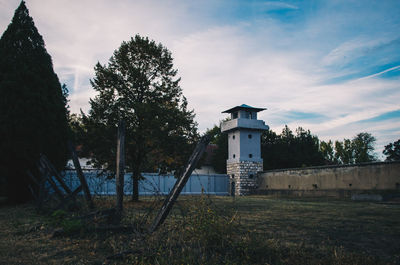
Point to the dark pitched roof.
(243, 107)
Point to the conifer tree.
(32, 106)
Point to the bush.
(61, 218)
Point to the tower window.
(234, 155)
(233, 137)
(250, 136)
(250, 155)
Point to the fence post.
(120, 168)
(81, 177)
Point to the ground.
(253, 229)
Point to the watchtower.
(244, 147)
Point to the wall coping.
(332, 166)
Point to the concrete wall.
(345, 179)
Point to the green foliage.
(344, 152)
(392, 151)
(32, 104)
(327, 151)
(220, 154)
(358, 150)
(77, 129)
(363, 146)
(288, 150)
(61, 218)
(139, 85)
(58, 216)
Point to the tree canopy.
(220, 154)
(32, 106)
(392, 151)
(139, 85)
(358, 150)
(288, 150)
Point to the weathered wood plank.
(81, 177)
(180, 183)
(46, 175)
(120, 168)
(54, 172)
(71, 196)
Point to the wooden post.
(79, 172)
(47, 176)
(51, 169)
(180, 183)
(120, 172)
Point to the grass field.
(215, 230)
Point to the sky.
(332, 67)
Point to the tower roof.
(243, 107)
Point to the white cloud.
(352, 49)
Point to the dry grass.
(216, 230)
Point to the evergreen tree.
(139, 86)
(288, 150)
(32, 105)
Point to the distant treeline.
(303, 149)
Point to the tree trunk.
(135, 186)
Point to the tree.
(288, 150)
(327, 151)
(363, 146)
(32, 105)
(220, 155)
(392, 151)
(306, 149)
(139, 86)
(358, 150)
(344, 152)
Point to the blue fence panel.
(152, 184)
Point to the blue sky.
(329, 66)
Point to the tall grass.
(206, 234)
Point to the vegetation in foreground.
(216, 230)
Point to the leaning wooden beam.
(70, 196)
(180, 183)
(32, 178)
(120, 168)
(42, 192)
(33, 192)
(46, 176)
(54, 172)
(81, 177)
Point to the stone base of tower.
(243, 176)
